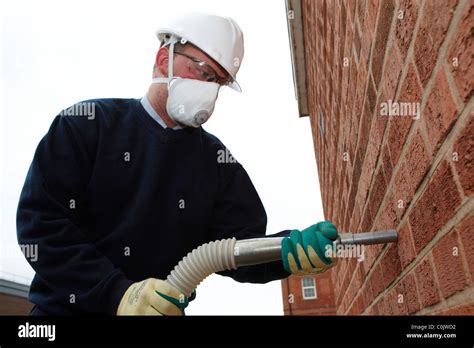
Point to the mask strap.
(172, 41)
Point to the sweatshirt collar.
(154, 115)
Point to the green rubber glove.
(304, 252)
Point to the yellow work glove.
(152, 297)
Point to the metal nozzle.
(368, 238)
(262, 250)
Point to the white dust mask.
(190, 102)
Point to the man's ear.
(161, 60)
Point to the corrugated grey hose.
(230, 254)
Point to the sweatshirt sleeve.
(49, 216)
(239, 213)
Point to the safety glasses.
(205, 71)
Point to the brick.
(377, 192)
(358, 305)
(353, 135)
(466, 232)
(350, 8)
(435, 207)
(440, 111)
(361, 78)
(417, 161)
(401, 306)
(462, 48)
(427, 286)
(372, 311)
(397, 133)
(464, 163)
(357, 39)
(338, 81)
(411, 294)
(382, 305)
(355, 182)
(448, 263)
(356, 215)
(367, 296)
(338, 203)
(366, 121)
(386, 162)
(371, 15)
(341, 213)
(390, 303)
(405, 26)
(412, 171)
(352, 87)
(406, 250)
(366, 41)
(393, 69)
(361, 10)
(364, 183)
(346, 69)
(347, 303)
(346, 223)
(376, 280)
(342, 24)
(367, 220)
(330, 32)
(410, 92)
(431, 34)
(351, 267)
(388, 217)
(369, 259)
(355, 286)
(390, 264)
(371, 95)
(402, 190)
(379, 307)
(342, 264)
(380, 120)
(386, 12)
(377, 249)
(344, 287)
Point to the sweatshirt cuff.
(116, 288)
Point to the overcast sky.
(56, 53)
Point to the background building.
(411, 169)
(14, 298)
(308, 295)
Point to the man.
(114, 201)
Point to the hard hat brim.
(235, 86)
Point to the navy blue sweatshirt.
(115, 198)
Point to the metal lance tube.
(262, 250)
(230, 254)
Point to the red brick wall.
(378, 172)
(294, 304)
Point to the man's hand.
(306, 251)
(152, 297)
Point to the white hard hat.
(219, 37)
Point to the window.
(308, 287)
